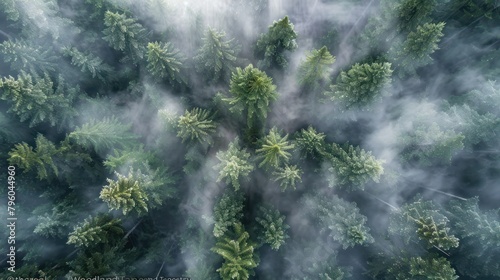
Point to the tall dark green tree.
(27, 57)
(196, 125)
(42, 158)
(288, 176)
(234, 164)
(216, 58)
(274, 150)
(89, 63)
(274, 44)
(100, 229)
(316, 69)
(310, 143)
(164, 61)
(126, 194)
(273, 227)
(227, 211)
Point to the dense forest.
(257, 139)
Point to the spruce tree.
(352, 167)
(411, 13)
(274, 149)
(316, 69)
(196, 125)
(89, 63)
(274, 44)
(238, 253)
(54, 219)
(42, 158)
(288, 176)
(310, 143)
(164, 61)
(427, 267)
(217, 57)
(126, 194)
(93, 231)
(227, 211)
(23, 56)
(234, 164)
(252, 92)
(273, 227)
(124, 34)
(361, 85)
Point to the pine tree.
(101, 135)
(196, 125)
(352, 167)
(124, 34)
(422, 217)
(252, 91)
(411, 13)
(478, 230)
(42, 158)
(134, 157)
(273, 227)
(274, 149)
(427, 267)
(97, 230)
(316, 69)
(311, 143)
(415, 51)
(55, 219)
(216, 57)
(427, 144)
(273, 45)
(23, 56)
(361, 85)
(227, 211)
(238, 253)
(164, 61)
(234, 164)
(341, 218)
(36, 100)
(126, 194)
(288, 176)
(105, 261)
(88, 63)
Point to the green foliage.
(55, 219)
(274, 149)
(124, 34)
(316, 69)
(352, 167)
(216, 57)
(234, 164)
(88, 63)
(196, 125)
(26, 57)
(273, 45)
(8, 7)
(361, 85)
(97, 230)
(164, 61)
(419, 45)
(126, 194)
(273, 227)
(311, 143)
(156, 183)
(252, 91)
(42, 158)
(103, 262)
(238, 253)
(288, 176)
(227, 211)
(427, 267)
(410, 13)
(479, 232)
(341, 218)
(133, 157)
(327, 270)
(101, 135)
(427, 144)
(36, 100)
(422, 217)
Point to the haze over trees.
(259, 139)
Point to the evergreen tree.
(88, 63)
(36, 100)
(238, 253)
(427, 144)
(55, 219)
(341, 218)
(102, 135)
(311, 143)
(134, 157)
(164, 61)
(252, 91)
(124, 34)
(273, 45)
(196, 125)
(361, 85)
(316, 69)
(216, 57)
(422, 217)
(126, 194)
(23, 56)
(227, 211)
(273, 227)
(415, 51)
(288, 176)
(234, 164)
(478, 230)
(93, 231)
(427, 267)
(274, 149)
(352, 167)
(42, 158)
(109, 260)
(411, 13)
